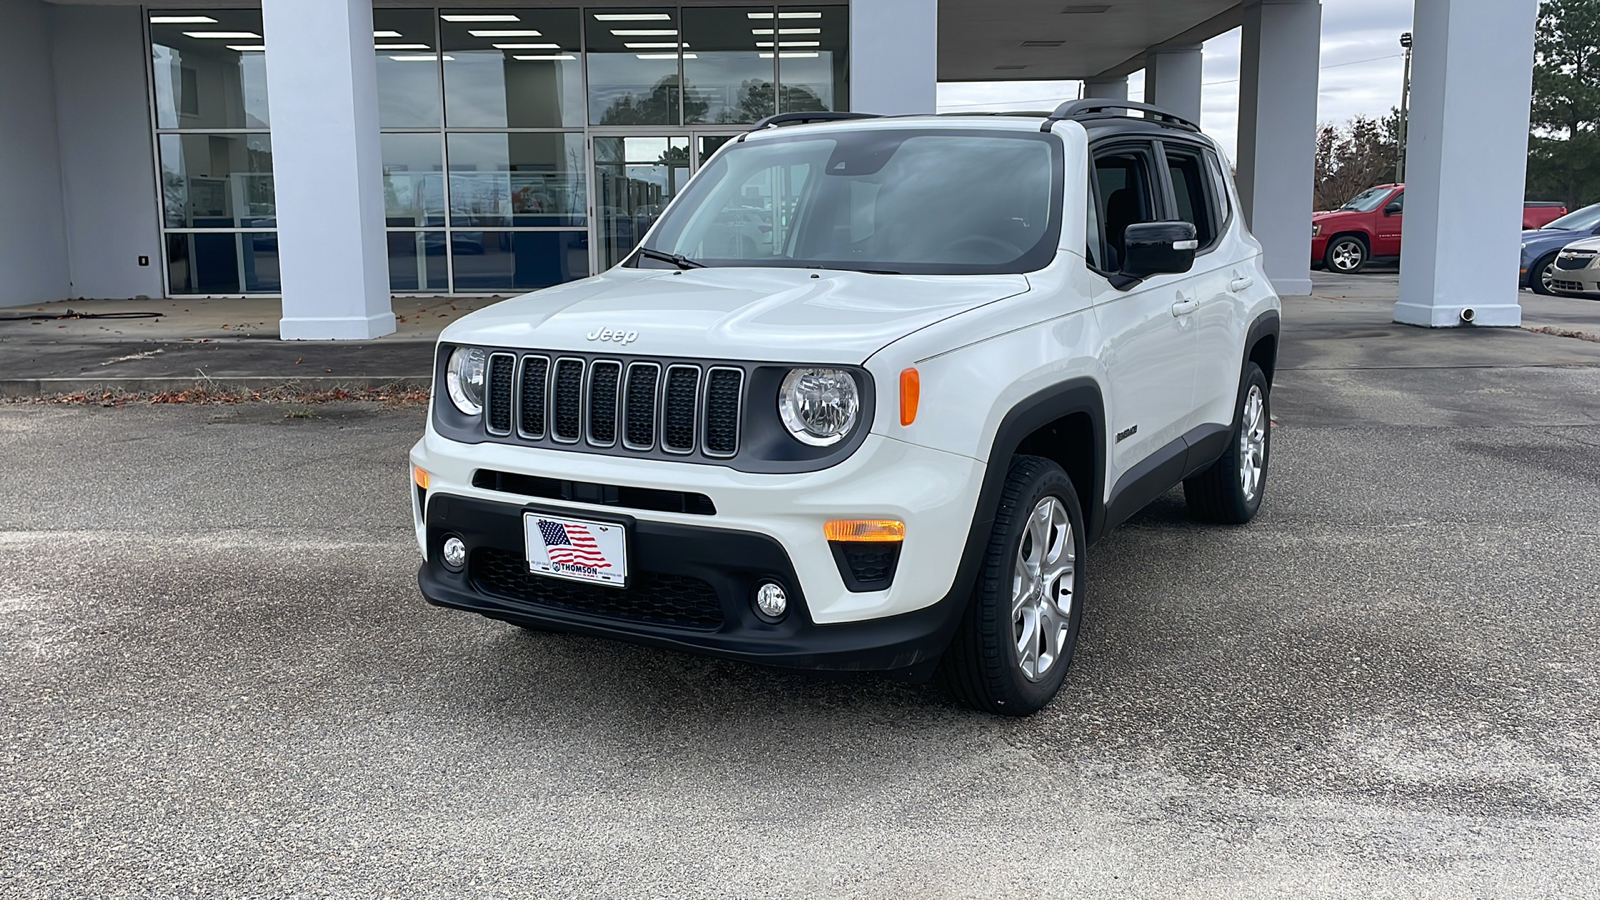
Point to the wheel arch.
(1261, 344)
(1362, 236)
(1064, 423)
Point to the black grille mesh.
(644, 405)
(502, 371)
(1580, 262)
(652, 597)
(723, 388)
(677, 420)
(641, 405)
(535, 371)
(603, 379)
(568, 420)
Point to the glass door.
(635, 176)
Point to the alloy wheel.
(1347, 256)
(1042, 589)
(1252, 442)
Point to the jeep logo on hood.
(612, 334)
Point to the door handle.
(1241, 284)
(1185, 305)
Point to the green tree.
(1564, 151)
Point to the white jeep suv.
(883, 438)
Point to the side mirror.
(1393, 209)
(1157, 248)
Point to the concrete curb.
(29, 388)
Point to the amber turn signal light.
(865, 530)
(910, 393)
(420, 477)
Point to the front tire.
(1020, 630)
(1540, 276)
(1230, 490)
(1345, 255)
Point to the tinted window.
(1126, 197)
(1189, 191)
(1585, 219)
(1367, 200)
(941, 202)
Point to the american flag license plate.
(596, 552)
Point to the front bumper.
(1319, 248)
(1576, 281)
(690, 589)
(764, 525)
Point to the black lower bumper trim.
(733, 563)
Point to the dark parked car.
(1540, 245)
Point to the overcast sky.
(1360, 73)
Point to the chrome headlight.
(464, 378)
(819, 406)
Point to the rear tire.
(1230, 490)
(1539, 276)
(1020, 630)
(1346, 255)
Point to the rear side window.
(1191, 193)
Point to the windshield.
(1580, 220)
(1368, 200)
(939, 202)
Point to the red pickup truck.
(1368, 228)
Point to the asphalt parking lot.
(220, 679)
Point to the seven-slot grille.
(642, 406)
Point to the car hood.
(785, 315)
(1548, 235)
(1591, 243)
(1328, 214)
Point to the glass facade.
(522, 147)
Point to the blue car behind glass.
(1540, 246)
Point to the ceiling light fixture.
(791, 54)
(527, 46)
(545, 56)
(248, 48)
(653, 45)
(387, 34)
(382, 47)
(790, 43)
(664, 56)
(632, 17)
(182, 20)
(480, 18)
(506, 32)
(223, 35)
(428, 58)
(645, 32)
(799, 15)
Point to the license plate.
(578, 550)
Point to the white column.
(1172, 79)
(1106, 88)
(327, 167)
(1466, 162)
(1278, 133)
(894, 56)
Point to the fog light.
(455, 553)
(771, 600)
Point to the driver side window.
(1124, 195)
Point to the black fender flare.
(1268, 324)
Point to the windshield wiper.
(677, 259)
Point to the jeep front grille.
(643, 406)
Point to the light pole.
(1405, 112)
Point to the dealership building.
(338, 152)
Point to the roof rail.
(1091, 108)
(803, 118)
